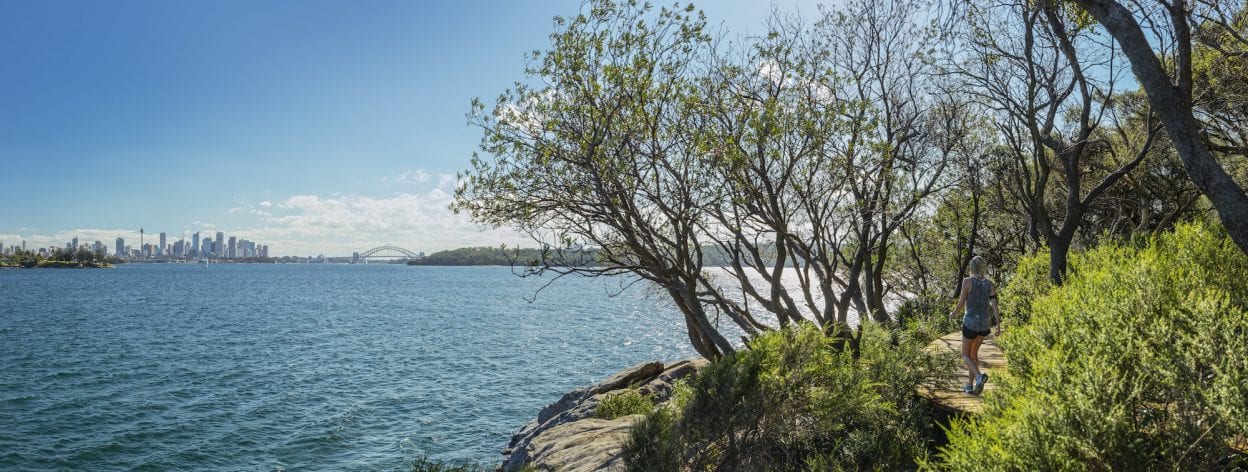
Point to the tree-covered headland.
(846, 167)
(58, 258)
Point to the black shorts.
(971, 334)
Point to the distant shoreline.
(62, 266)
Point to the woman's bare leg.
(969, 348)
(979, 341)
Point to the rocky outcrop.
(566, 436)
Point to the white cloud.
(334, 225)
(108, 237)
(411, 177)
(338, 225)
(448, 182)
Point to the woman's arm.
(996, 309)
(966, 291)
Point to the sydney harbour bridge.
(380, 252)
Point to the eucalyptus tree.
(600, 149)
(795, 157)
(1048, 82)
(827, 138)
(1159, 38)
(903, 129)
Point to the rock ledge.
(566, 436)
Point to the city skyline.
(162, 247)
(321, 127)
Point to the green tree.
(1165, 70)
(1049, 86)
(602, 153)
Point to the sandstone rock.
(567, 437)
(587, 445)
(575, 405)
(660, 388)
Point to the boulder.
(567, 437)
(576, 405)
(659, 389)
(581, 446)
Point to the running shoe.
(979, 382)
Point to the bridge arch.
(380, 249)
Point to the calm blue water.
(271, 367)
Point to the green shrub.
(926, 317)
(1138, 362)
(424, 464)
(792, 400)
(623, 403)
(1029, 280)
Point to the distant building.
(160, 251)
(194, 245)
(219, 245)
(232, 248)
(121, 247)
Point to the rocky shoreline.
(568, 436)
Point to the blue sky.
(314, 126)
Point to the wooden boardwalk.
(947, 394)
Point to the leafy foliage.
(1137, 363)
(1029, 280)
(424, 464)
(926, 318)
(794, 399)
(624, 403)
(58, 258)
(480, 256)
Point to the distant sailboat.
(203, 263)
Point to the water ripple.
(171, 367)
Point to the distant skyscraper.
(121, 247)
(205, 248)
(233, 248)
(194, 244)
(74, 244)
(160, 251)
(219, 245)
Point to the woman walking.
(979, 297)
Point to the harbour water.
(298, 367)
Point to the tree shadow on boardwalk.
(947, 394)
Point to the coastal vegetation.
(471, 256)
(481, 256)
(624, 403)
(798, 400)
(1137, 362)
(846, 169)
(58, 258)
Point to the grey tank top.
(977, 316)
